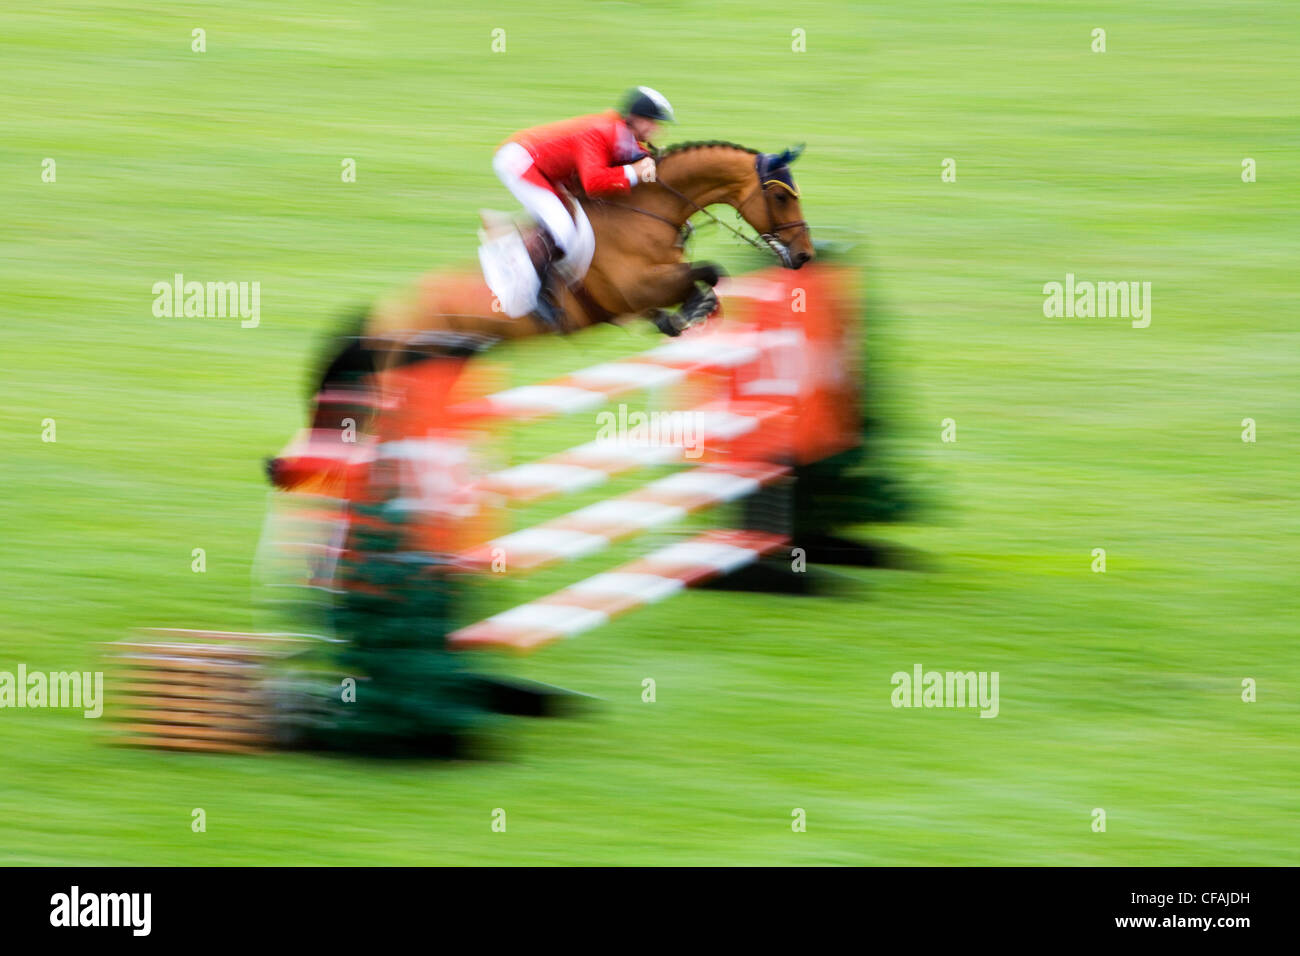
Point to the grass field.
(1119, 691)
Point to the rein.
(696, 207)
(645, 212)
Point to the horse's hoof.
(665, 322)
(698, 309)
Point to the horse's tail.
(343, 361)
(339, 403)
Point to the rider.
(601, 155)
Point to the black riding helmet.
(643, 101)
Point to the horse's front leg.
(709, 273)
(688, 284)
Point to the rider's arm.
(597, 175)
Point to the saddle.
(510, 254)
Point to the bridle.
(773, 236)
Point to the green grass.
(1119, 691)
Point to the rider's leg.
(514, 166)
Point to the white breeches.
(573, 234)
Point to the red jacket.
(590, 149)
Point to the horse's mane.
(703, 144)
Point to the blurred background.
(1119, 690)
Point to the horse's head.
(774, 210)
(759, 186)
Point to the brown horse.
(638, 267)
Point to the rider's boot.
(548, 310)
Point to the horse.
(638, 267)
